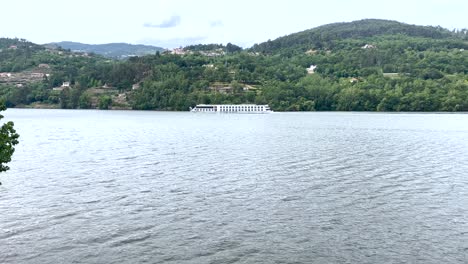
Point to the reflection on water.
(159, 187)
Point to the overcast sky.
(172, 23)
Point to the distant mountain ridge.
(111, 50)
(327, 36)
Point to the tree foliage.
(8, 140)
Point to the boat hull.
(232, 109)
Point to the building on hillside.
(178, 51)
(311, 69)
(37, 75)
(61, 88)
(221, 89)
(368, 46)
(5, 74)
(247, 87)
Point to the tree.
(8, 139)
(105, 102)
(84, 101)
(231, 48)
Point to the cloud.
(173, 21)
(216, 23)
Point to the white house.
(311, 69)
(368, 46)
(5, 74)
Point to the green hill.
(29, 72)
(18, 54)
(332, 35)
(111, 50)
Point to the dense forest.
(367, 65)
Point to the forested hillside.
(17, 55)
(111, 50)
(340, 35)
(367, 65)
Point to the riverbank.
(57, 106)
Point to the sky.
(175, 23)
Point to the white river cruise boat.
(240, 109)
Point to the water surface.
(162, 187)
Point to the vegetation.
(18, 54)
(367, 65)
(8, 139)
(111, 50)
(105, 102)
(337, 36)
(229, 48)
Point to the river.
(178, 187)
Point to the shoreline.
(51, 107)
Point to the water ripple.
(155, 187)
